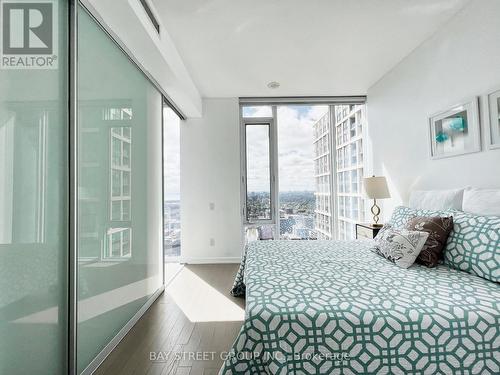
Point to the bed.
(335, 307)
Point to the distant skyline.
(172, 197)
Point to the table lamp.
(376, 188)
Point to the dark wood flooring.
(187, 330)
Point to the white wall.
(210, 173)
(460, 61)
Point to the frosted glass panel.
(119, 192)
(33, 209)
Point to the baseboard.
(215, 260)
(99, 359)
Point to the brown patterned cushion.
(438, 228)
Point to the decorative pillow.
(438, 228)
(400, 246)
(266, 232)
(474, 245)
(437, 199)
(482, 201)
(402, 215)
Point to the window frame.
(274, 102)
(270, 122)
(122, 169)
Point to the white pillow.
(400, 246)
(438, 200)
(485, 202)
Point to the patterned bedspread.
(333, 307)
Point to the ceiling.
(311, 47)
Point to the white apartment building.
(350, 121)
(322, 175)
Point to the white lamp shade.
(376, 188)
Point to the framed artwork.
(455, 131)
(493, 105)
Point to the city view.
(315, 146)
(296, 212)
(172, 186)
(297, 215)
(172, 228)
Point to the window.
(258, 166)
(303, 176)
(303, 137)
(119, 243)
(171, 185)
(121, 141)
(259, 111)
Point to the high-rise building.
(339, 214)
(323, 212)
(349, 124)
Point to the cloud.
(258, 111)
(171, 144)
(295, 148)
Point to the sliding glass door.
(115, 183)
(33, 190)
(120, 263)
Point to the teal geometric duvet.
(333, 307)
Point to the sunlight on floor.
(171, 270)
(201, 302)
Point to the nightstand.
(366, 231)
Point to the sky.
(295, 148)
(172, 154)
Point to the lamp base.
(375, 212)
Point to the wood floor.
(187, 330)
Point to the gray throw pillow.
(400, 246)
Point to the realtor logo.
(29, 34)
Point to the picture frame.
(492, 105)
(456, 131)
